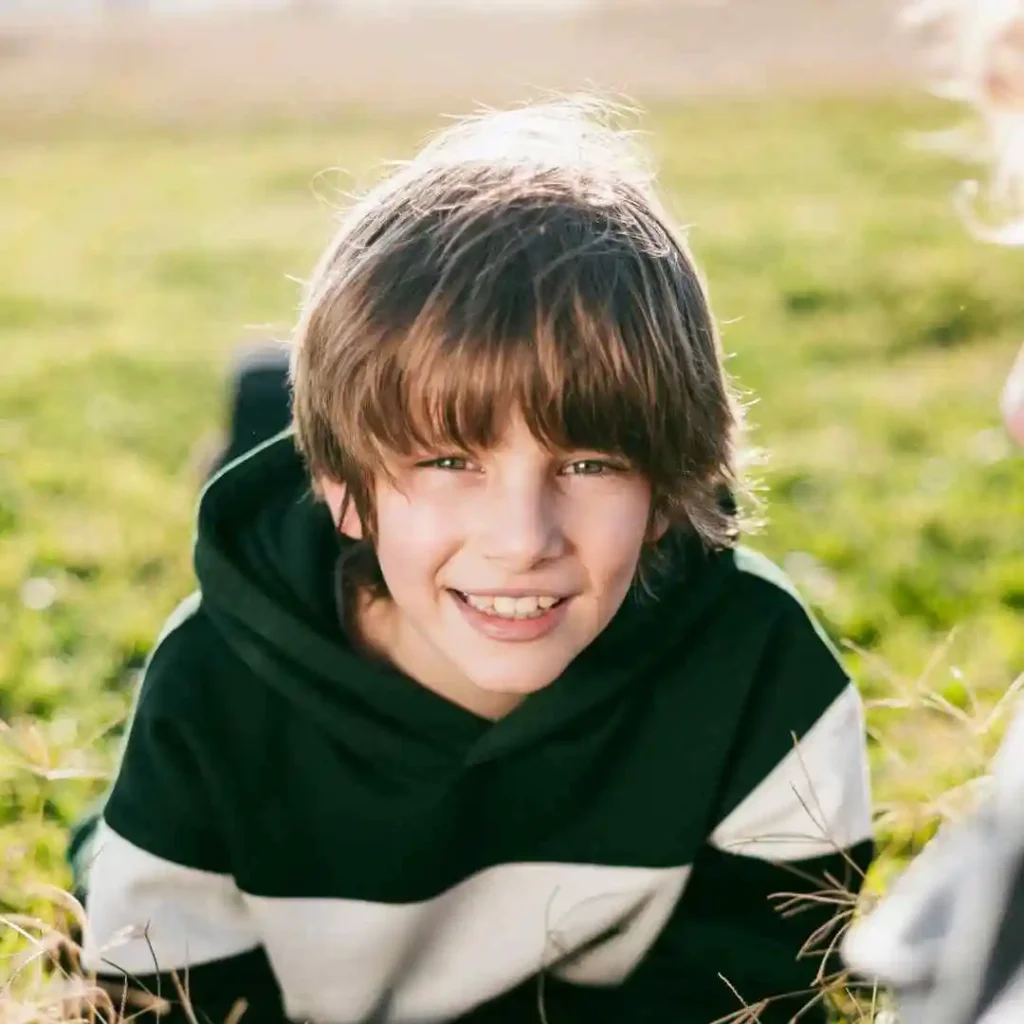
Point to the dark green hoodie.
(314, 832)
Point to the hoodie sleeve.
(165, 918)
(760, 920)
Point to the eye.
(591, 467)
(451, 463)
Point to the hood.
(265, 555)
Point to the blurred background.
(183, 58)
(168, 171)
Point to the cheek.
(610, 537)
(413, 541)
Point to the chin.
(518, 685)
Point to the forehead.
(583, 374)
(515, 435)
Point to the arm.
(164, 914)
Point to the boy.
(495, 721)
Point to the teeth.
(512, 607)
(507, 607)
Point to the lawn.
(873, 333)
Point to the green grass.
(873, 331)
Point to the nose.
(520, 526)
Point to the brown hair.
(521, 263)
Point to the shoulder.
(771, 645)
(796, 629)
(754, 599)
(757, 578)
(759, 585)
(761, 573)
(736, 621)
(186, 665)
(180, 628)
(737, 606)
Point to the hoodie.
(311, 832)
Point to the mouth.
(508, 607)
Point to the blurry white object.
(949, 938)
(977, 51)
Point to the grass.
(873, 331)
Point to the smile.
(517, 618)
(529, 606)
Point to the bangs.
(568, 359)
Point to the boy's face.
(502, 567)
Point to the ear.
(347, 522)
